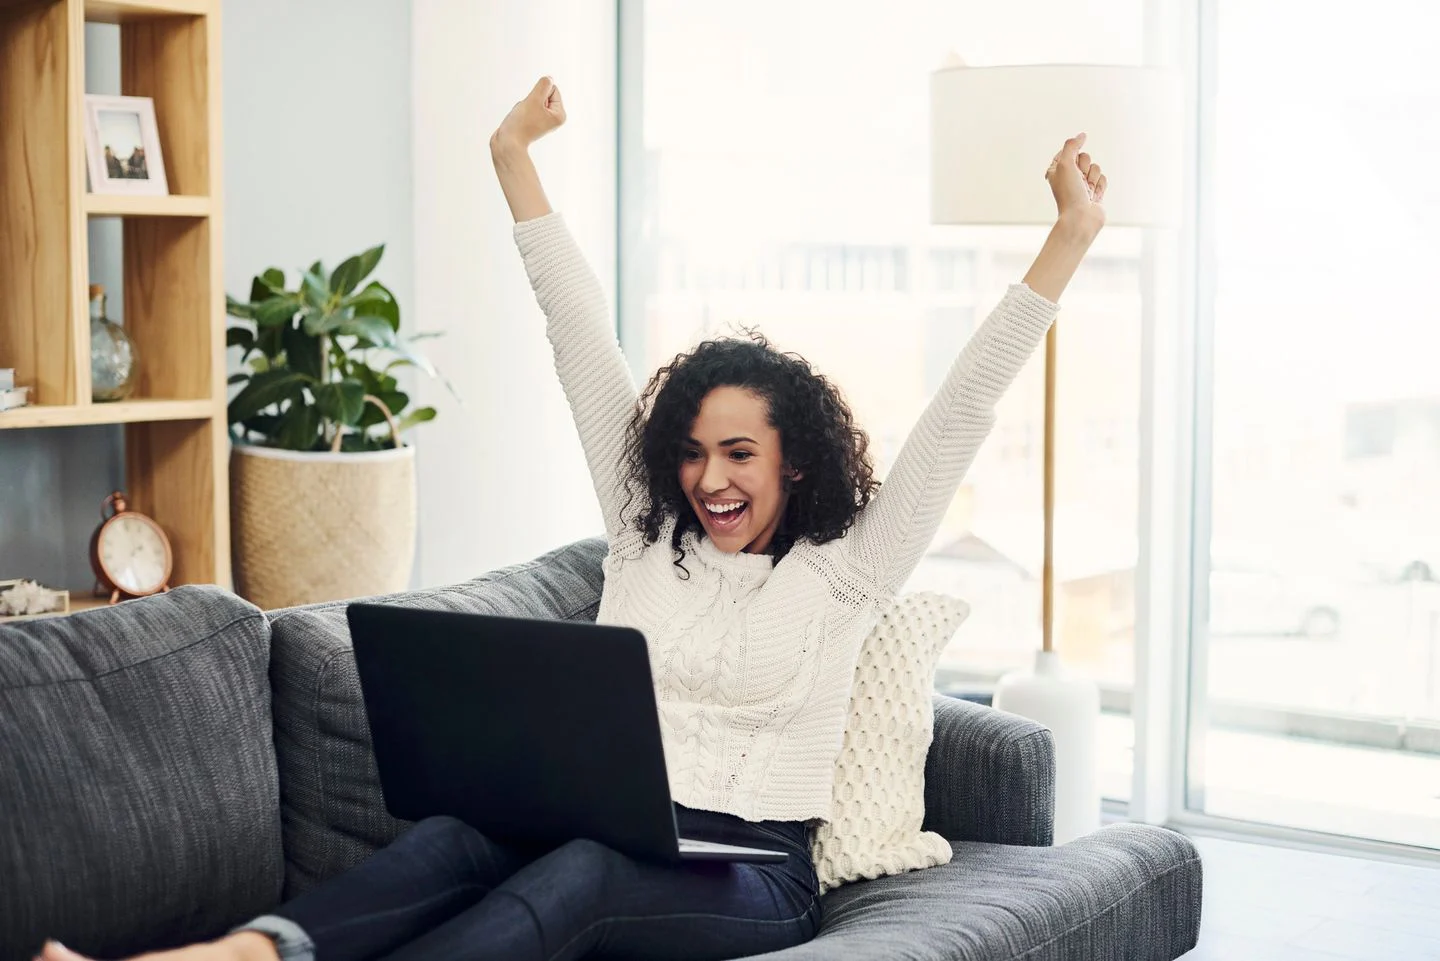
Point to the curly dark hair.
(818, 436)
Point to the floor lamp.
(993, 130)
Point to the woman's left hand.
(1078, 184)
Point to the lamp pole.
(1047, 570)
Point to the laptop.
(531, 731)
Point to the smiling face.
(733, 457)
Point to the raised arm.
(893, 531)
(588, 360)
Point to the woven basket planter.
(308, 527)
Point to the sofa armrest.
(990, 776)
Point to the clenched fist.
(532, 118)
(1078, 183)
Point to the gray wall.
(317, 165)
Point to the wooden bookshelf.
(176, 443)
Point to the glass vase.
(113, 360)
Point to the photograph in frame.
(122, 146)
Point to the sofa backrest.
(332, 810)
(138, 790)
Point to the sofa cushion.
(878, 804)
(1128, 892)
(139, 795)
(332, 809)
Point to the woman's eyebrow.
(723, 443)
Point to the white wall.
(317, 138)
(502, 479)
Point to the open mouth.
(727, 517)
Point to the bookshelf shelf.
(133, 11)
(97, 205)
(121, 412)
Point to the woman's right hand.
(532, 118)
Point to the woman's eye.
(742, 454)
(690, 454)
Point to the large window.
(773, 162)
(1318, 644)
(774, 174)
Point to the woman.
(750, 543)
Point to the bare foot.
(242, 946)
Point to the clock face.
(134, 555)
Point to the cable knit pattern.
(753, 662)
(879, 802)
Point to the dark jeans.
(444, 891)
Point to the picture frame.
(122, 146)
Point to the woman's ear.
(796, 475)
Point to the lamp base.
(1070, 707)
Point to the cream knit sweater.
(752, 660)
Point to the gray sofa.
(176, 764)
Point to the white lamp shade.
(994, 130)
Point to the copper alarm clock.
(129, 552)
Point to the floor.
(1265, 903)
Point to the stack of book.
(10, 395)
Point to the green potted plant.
(322, 485)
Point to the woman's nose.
(713, 479)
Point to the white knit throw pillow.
(879, 794)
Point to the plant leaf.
(267, 285)
(262, 424)
(319, 321)
(302, 352)
(385, 306)
(370, 259)
(402, 347)
(355, 443)
(238, 379)
(275, 311)
(393, 399)
(376, 382)
(417, 416)
(355, 269)
(240, 337)
(376, 330)
(410, 358)
(270, 341)
(367, 377)
(237, 308)
(316, 290)
(265, 388)
(299, 428)
(346, 276)
(342, 402)
(374, 293)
